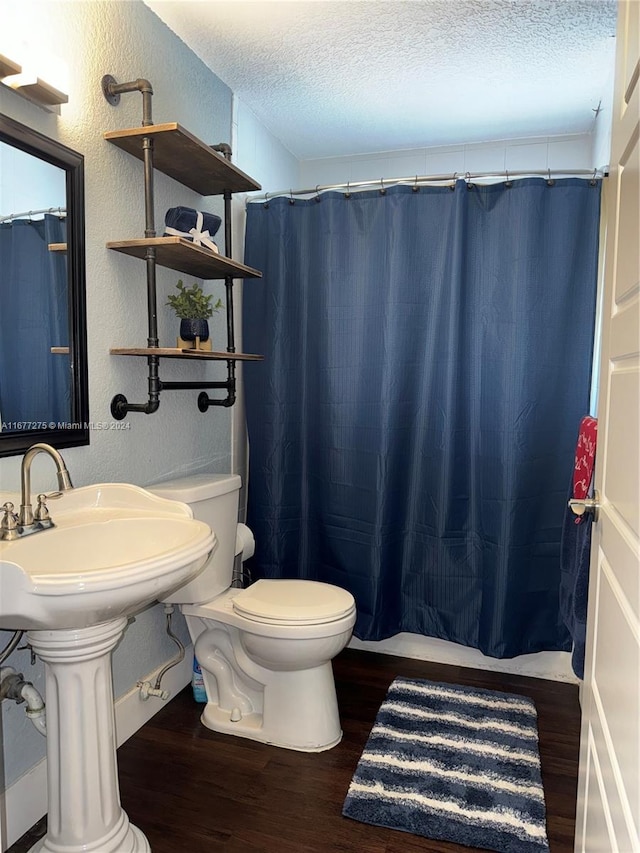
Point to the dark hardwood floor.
(191, 790)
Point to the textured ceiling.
(359, 76)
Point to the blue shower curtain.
(35, 385)
(412, 427)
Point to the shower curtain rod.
(421, 180)
(61, 211)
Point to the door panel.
(614, 541)
(609, 778)
(597, 823)
(623, 450)
(629, 47)
(605, 809)
(627, 274)
(615, 631)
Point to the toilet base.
(269, 683)
(295, 709)
(250, 726)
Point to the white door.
(608, 816)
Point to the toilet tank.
(213, 498)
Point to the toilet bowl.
(265, 651)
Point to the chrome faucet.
(64, 480)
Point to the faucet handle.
(41, 512)
(9, 522)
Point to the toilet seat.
(293, 602)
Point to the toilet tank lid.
(197, 487)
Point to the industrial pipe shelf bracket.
(120, 406)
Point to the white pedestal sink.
(115, 548)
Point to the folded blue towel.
(195, 225)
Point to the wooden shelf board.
(172, 352)
(182, 255)
(185, 158)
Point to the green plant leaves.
(191, 303)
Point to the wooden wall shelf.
(194, 355)
(182, 156)
(184, 256)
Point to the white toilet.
(265, 651)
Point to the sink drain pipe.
(13, 686)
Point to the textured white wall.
(531, 153)
(601, 135)
(127, 40)
(260, 153)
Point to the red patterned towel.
(585, 456)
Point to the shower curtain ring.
(291, 198)
(452, 186)
(347, 194)
(382, 189)
(508, 183)
(415, 188)
(550, 181)
(467, 177)
(317, 198)
(266, 200)
(593, 181)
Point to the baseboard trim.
(25, 802)
(555, 666)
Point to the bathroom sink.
(114, 549)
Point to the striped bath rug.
(453, 763)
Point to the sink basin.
(115, 548)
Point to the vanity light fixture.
(29, 84)
(36, 89)
(8, 66)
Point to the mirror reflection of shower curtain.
(412, 427)
(35, 384)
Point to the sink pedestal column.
(85, 814)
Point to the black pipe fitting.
(223, 148)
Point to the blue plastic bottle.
(197, 683)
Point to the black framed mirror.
(43, 329)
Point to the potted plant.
(194, 308)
